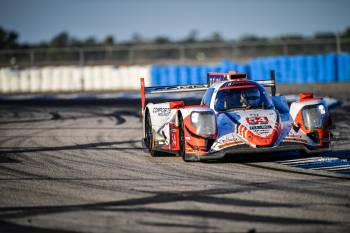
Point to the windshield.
(246, 98)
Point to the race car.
(235, 116)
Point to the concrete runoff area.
(81, 168)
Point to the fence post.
(285, 48)
(182, 54)
(108, 54)
(32, 57)
(81, 57)
(233, 51)
(338, 42)
(131, 55)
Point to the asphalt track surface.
(81, 168)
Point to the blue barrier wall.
(289, 69)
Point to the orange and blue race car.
(235, 116)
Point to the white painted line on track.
(308, 160)
(333, 168)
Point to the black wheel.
(182, 151)
(182, 139)
(149, 135)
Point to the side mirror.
(280, 103)
(176, 104)
(296, 127)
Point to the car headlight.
(204, 123)
(315, 116)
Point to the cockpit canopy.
(241, 97)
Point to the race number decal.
(257, 120)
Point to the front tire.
(182, 141)
(182, 151)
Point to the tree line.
(9, 39)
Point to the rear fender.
(161, 115)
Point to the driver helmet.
(251, 96)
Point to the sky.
(40, 20)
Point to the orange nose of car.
(257, 140)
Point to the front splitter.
(245, 149)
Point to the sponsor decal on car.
(257, 127)
(162, 111)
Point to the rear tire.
(149, 135)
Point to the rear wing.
(168, 89)
(212, 78)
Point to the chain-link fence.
(169, 53)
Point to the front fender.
(195, 143)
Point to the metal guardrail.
(169, 53)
